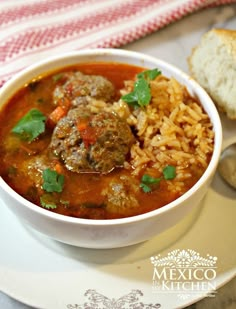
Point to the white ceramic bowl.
(118, 232)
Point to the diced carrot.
(57, 114)
(58, 168)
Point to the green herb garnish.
(52, 181)
(149, 74)
(57, 77)
(66, 203)
(146, 188)
(169, 172)
(30, 126)
(47, 201)
(141, 95)
(147, 181)
(50, 201)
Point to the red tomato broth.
(79, 188)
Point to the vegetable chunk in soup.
(103, 141)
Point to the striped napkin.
(31, 30)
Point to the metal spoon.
(227, 165)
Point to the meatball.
(75, 86)
(121, 196)
(89, 141)
(35, 165)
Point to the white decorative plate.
(46, 274)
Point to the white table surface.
(174, 44)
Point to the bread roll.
(213, 65)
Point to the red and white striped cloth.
(31, 30)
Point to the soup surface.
(103, 141)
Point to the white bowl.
(118, 232)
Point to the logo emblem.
(184, 272)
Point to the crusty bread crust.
(212, 64)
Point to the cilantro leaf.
(149, 74)
(146, 188)
(141, 95)
(52, 181)
(30, 126)
(57, 77)
(147, 181)
(66, 203)
(47, 201)
(169, 172)
(131, 98)
(143, 92)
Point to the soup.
(103, 141)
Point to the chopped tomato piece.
(82, 125)
(88, 133)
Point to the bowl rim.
(215, 119)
